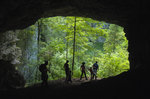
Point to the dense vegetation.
(76, 39)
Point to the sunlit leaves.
(95, 41)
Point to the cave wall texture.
(8, 49)
(131, 14)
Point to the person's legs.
(66, 76)
(45, 82)
(45, 79)
(42, 78)
(94, 73)
(91, 76)
(69, 77)
(81, 75)
(94, 76)
(85, 75)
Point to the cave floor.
(61, 83)
(120, 87)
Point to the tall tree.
(74, 42)
(67, 46)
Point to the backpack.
(41, 67)
(95, 66)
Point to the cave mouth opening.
(58, 39)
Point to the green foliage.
(95, 41)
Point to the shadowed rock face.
(18, 14)
(131, 14)
(9, 76)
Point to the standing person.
(83, 71)
(95, 67)
(44, 76)
(91, 72)
(66, 66)
(69, 76)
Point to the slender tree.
(67, 46)
(74, 40)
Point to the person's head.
(46, 62)
(96, 62)
(83, 63)
(67, 61)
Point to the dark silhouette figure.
(95, 67)
(66, 66)
(44, 76)
(91, 72)
(83, 71)
(69, 76)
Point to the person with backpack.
(83, 71)
(44, 76)
(95, 67)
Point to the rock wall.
(8, 49)
(9, 58)
(9, 76)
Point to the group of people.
(44, 76)
(93, 70)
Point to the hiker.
(69, 76)
(91, 72)
(66, 66)
(83, 71)
(44, 76)
(95, 67)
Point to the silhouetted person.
(44, 76)
(66, 66)
(95, 67)
(91, 72)
(83, 71)
(69, 76)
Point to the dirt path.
(61, 82)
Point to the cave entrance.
(76, 39)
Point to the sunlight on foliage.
(95, 41)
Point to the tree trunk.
(67, 47)
(39, 32)
(74, 40)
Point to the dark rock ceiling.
(18, 14)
